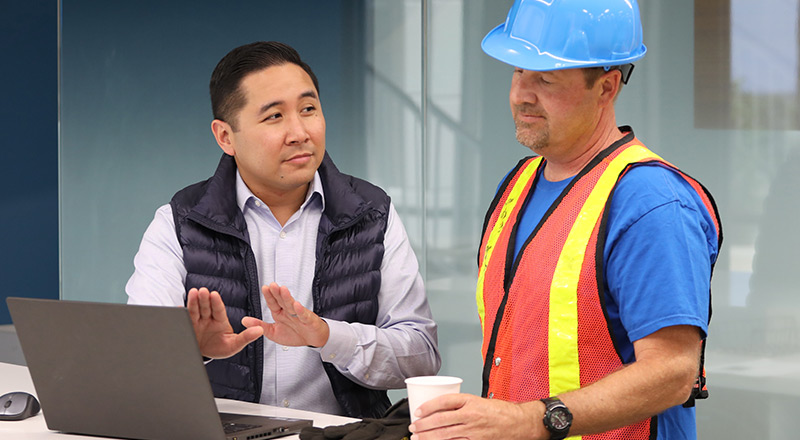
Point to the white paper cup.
(424, 388)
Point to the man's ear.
(610, 84)
(223, 133)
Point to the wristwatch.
(557, 418)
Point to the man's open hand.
(294, 324)
(214, 333)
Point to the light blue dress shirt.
(403, 343)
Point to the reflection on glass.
(746, 64)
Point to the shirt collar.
(243, 193)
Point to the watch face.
(560, 418)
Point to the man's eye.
(273, 117)
(309, 109)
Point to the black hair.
(225, 86)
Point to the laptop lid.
(123, 371)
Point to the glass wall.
(414, 105)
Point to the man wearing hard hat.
(596, 257)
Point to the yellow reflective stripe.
(563, 330)
(508, 208)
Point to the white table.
(17, 378)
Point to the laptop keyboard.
(231, 428)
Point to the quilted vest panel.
(213, 235)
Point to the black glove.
(392, 426)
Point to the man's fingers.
(279, 299)
(272, 304)
(447, 402)
(267, 329)
(282, 297)
(293, 307)
(192, 306)
(204, 303)
(249, 321)
(286, 299)
(217, 307)
(250, 334)
(437, 417)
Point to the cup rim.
(434, 380)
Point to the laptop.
(127, 371)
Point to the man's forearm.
(662, 378)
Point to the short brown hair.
(591, 74)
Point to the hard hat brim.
(500, 45)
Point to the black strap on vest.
(699, 390)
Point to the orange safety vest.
(552, 335)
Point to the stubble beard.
(535, 139)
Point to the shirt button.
(283, 234)
(285, 403)
(491, 395)
(285, 348)
(332, 356)
(258, 203)
(497, 361)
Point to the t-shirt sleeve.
(661, 246)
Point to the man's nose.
(296, 132)
(522, 89)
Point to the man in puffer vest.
(596, 258)
(302, 286)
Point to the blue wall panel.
(29, 154)
(136, 113)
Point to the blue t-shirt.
(661, 243)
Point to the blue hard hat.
(564, 34)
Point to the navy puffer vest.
(216, 250)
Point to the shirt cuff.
(341, 345)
